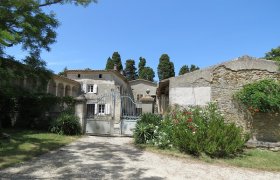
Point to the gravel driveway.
(115, 158)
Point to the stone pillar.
(48, 86)
(80, 111)
(64, 89)
(56, 88)
(147, 103)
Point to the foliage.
(25, 144)
(25, 23)
(260, 96)
(274, 54)
(147, 73)
(184, 69)
(144, 72)
(130, 70)
(145, 128)
(109, 64)
(63, 72)
(142, 64)
(143, 132)
(116, 58)
(165, 67)
(66, 124)
(150, 118)
(193, 68)
(195, 131)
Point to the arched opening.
(60, 91)
(67, 90)
(74, 91)
(52, 87)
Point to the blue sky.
(200, 32)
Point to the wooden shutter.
(95, 108)
(107, 109)
(95, 88)
(84, 87)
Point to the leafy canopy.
(23, 22)
(274, 54)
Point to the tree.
(117, 61)
(109, 64)
(165, 67)
(147, 73)
(274, 54)
(184, 69)
(25, 23)
(142, 64)
(194, 68)
(63, 72)
(130, 70)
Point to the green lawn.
(25, 144)
(252, 158)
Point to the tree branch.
(48, 3)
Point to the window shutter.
(95, 108)
(95, 89)
(84, 87)
(107, 109)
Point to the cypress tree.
(165, 67)
(130, 70)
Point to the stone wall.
(224, 80)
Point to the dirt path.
(114, 158)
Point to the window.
(100, 76)
(79, 75)
(139, 96)
(101, 108)
(90, 88)
(90, 110)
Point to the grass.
(25, 144)
(252, 158)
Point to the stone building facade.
(217, 83)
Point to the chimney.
(115, 67)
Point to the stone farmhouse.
(217, 83)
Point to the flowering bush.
(194, 130)
(198, 130)
(145, 128)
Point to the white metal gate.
(103, 112)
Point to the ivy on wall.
(260, 96)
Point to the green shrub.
(66, 124)
(260, 96)
(143, 133)
(203, 130)
(145, 128)
(163, 135)
(150, 118)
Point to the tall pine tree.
(147, 73)
(165, 67)
(117, 61)
(142, 64)
(130, 70)
(109, 64)
(194, 68)
(184, 69)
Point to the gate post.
(147, 103)
(80, 111)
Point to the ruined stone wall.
(225, 82)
